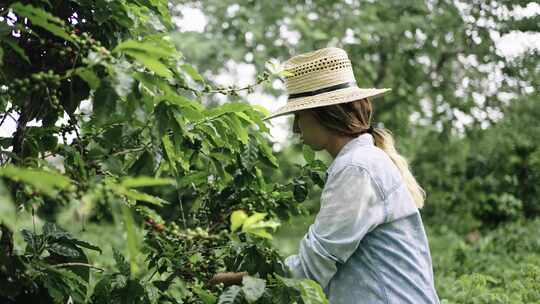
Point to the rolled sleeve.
(350, 208)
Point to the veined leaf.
(231, 295)
(312, 293)
(231, 107)
(169, 152)
(42, 19)
(240, 131)
(253, 288)
(45, 181)
(182, 102)
(256, 217)
(256, 226)
(121, 263)
(151, 63)
(143, 47)
(266, 152)
(64, 249)
(237, 219)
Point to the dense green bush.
(148, 157)
(500, 266)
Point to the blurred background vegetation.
(464, 110)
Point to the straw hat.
(321, 78)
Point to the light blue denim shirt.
(367, 244)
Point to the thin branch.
(77, 264)
(4, 118)
(127, 151)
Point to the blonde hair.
(353, 119)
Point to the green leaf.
(17, 50)
(256, 217)
(240, 131)
(204, 295)
(63, 285)
(231, 295)
(192, 72)
(256, 226)
(253, 288)
(33, 242)
(146, 181)
(47, 182)
(132, 237)
(56, 234)
(121, 263)
(42, 19)
(312, 293)
(194, 179)
(90, 77)
(141, 196)
(300, 191)
(309, 154)
(64, 249)
(266, 153)
(232, 107)
(237, 219)
(143, 47)
(169, 152)
(151, 63)
(259, 232)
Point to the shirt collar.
(365, 139)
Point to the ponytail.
(353, 119)
(385, 141)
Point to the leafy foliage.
(148, 155)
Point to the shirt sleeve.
(350, 208)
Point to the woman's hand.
(228, 278)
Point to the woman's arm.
(350, 208)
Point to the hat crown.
(318, 69)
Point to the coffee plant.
(122, 135)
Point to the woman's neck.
(336, 143)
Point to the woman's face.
(310, 130)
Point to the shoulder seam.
(377, 185)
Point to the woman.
(367, 244)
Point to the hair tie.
(370, 130)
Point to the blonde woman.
(367, 244)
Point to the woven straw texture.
(317, 70)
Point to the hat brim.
(326, 99)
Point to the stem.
(127, 151)
(77, 264)
(6, 114)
